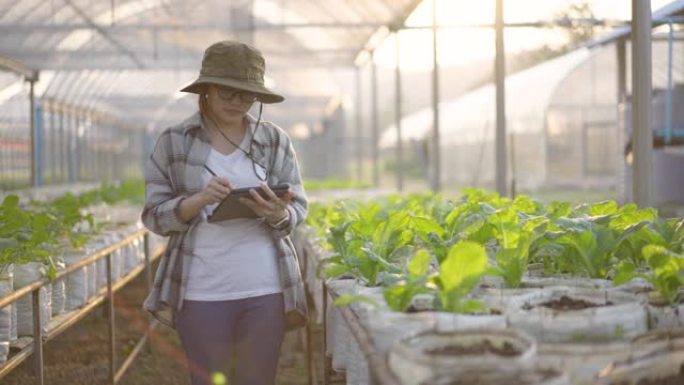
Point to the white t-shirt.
(236, 258)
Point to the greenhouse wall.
(73, 143)
(585, 132)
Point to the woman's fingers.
(223, 182)
(287, 197)
(220, 184)
(217, 189)
(259, 199)
(252, 205)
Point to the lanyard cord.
(251, 143)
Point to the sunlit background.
(121, 64)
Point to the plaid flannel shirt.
(173, 173)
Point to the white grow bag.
(6, 280)
(533, 376)
(661, 366)
(623, 318)
(338, 334)
(77, 281)
(58, 292)
(25, 275)
(412, 363)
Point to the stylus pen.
(210, 172)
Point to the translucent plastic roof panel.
(134, 55)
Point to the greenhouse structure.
(360, 192)
(568, 124)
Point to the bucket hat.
(236, 65)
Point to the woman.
(230, 288)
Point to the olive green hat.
(237, 65)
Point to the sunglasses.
(228, 94)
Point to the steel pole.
(642, 134)
(32, 124)
(500, 76)
(376, 155)
(397, 117)
(359, 128)
(435, 182)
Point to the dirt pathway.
(79, 356)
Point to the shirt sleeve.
(289, 173)
(160, 214)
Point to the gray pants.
(238, 340)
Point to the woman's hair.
(203, 102)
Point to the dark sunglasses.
(228, 94)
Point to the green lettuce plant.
(26, 236)
(665, 273)
(458, 274)
(414, 280)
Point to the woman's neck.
(228, 128)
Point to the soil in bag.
(566, 303)
(520, 378)
(485, 346)
(676, 379)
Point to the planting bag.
(534, 376)
(581, 361)
(339, 335)
(617, 315)
(25, 275)
(76, 282)
(665, 317)
(58, 292)
(662, 367)
(5, 317)
(417, 359)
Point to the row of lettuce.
(426, 244)
(36, 231)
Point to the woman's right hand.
(216, 190)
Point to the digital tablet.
(231, 208)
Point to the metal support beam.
(170, 52)
(8, 29)
(359, 128)
(375, 121)
(39, 122)
(32, 127)
(668, 107)
(397, 116)
(12, 65)
(642, 134)
(111, 322)
(621, 52)
(400, 21)
(621, 97)
(434, 146)
(37, 336)
(83, 61)
(105, 34)
(500, 76)
(50, 28)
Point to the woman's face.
(229, 105)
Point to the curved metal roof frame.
(115, 40)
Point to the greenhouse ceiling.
(132, 56)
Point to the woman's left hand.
(272, 209)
